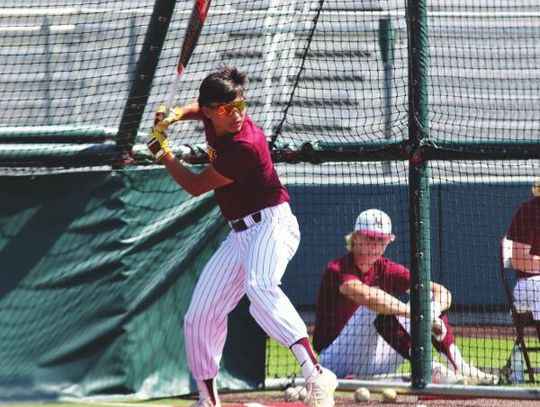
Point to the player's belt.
(527, 277)
(240, 225)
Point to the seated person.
(362, 329)
(524, 232)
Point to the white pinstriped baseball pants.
(359, 349)
(250, 262)
(527, 295)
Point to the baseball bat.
(191, 36)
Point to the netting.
(320, 71)
(482, 71)
(331, 83)
(73, 64)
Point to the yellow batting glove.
(165, 117)
(161, 113)
(158, 144)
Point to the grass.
(483, 352)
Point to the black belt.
(240, 225)
(526, 277)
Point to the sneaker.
(205, 403)
(440, 374)
(473, 375)
(320, 389)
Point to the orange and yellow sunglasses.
(226, 109)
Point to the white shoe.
(440, 374)
(207, 402)
(473, 375)
(320, 389)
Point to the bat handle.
(172, 93)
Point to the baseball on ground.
(302, 392)
(389, 395)
(361, 394)
(291, 394)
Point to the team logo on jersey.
(212, 153)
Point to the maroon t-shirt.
(245, 158)
(334, 309)
(525, 227)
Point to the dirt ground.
(344, 399)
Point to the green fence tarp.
(97, 271)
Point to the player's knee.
(192, 319)
(257, 290)
(252, 292)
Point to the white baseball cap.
(374, 222)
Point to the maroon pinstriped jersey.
(334, 309)
(245, 158)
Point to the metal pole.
(46, 30)
(132, 46)
(387, 39)
(142, 80)
(419, 219)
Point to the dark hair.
(222, 86)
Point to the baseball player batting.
(264, 235)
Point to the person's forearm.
(191, 111)
(183, 176)
(375, 299)
(388, 306)
(523, 260)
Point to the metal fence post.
(419, 194)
